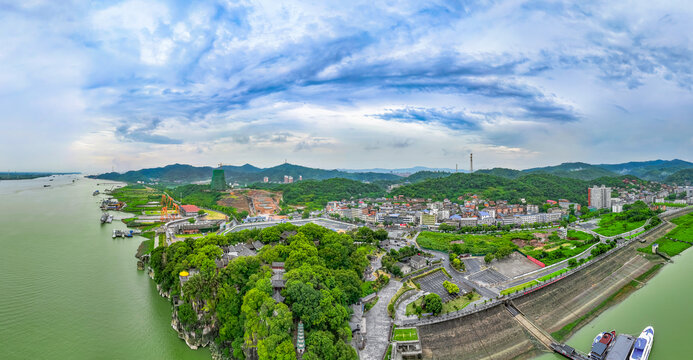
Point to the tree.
(488, 258)
(470, 295)
(306, 214)
(200, 212)
(433, 303)
(380, 234)
(572, 263)
(451, 287)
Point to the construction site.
(255, 202)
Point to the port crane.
(167, 203)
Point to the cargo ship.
(643, 345)
(600, 345)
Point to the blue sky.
(98, 85)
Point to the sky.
(101, 85)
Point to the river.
(67, 289)
(664, 302)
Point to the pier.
(542, 336)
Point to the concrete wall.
(491, 333)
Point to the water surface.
(67, 289)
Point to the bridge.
(542, 336)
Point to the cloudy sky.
(97, 85)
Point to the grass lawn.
(412, 306)
(578, 235)
(683, 231)
(405, 334)
(608, 226)
(669, 204)
(459, 303)
(553, 275)
(518, 287)
(189, 236)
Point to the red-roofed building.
(189, 210)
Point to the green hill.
(535, 188)
(680, 177)
(245, 174)
(576, 170)
(425, 175)
(502, 172)
(314, 193)
(657, 170)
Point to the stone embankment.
(487, 334)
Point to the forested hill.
(245, 174)
(535, 188)
(681, 177)
(577, 170)
(424, 175)
(316, 194)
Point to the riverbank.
(568, 330)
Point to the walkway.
(378, 324)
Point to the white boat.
(643, 345)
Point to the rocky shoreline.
(195, 337)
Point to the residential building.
(599, 197)
(427, 219)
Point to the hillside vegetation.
(313, 193)
(536, 188)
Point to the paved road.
(378, 324)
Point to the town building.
(427, 219)
(189, 210)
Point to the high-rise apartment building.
(599, 197)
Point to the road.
(378, 324)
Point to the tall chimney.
(471, 163)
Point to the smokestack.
(471, 163)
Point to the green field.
(683, 231)
(405, 335)
(553, 275)
(567, 249)
(578, 235)
(474, 244)
(608, 226)
(668, 204)
(518, 287)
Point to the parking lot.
(488, 277)
(434, 284)
(473, 264)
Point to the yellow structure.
(183, 273)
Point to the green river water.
(70, 291)
(67, 289)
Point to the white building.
(599, 197)
(617, 208)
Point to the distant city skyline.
(128, 85)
